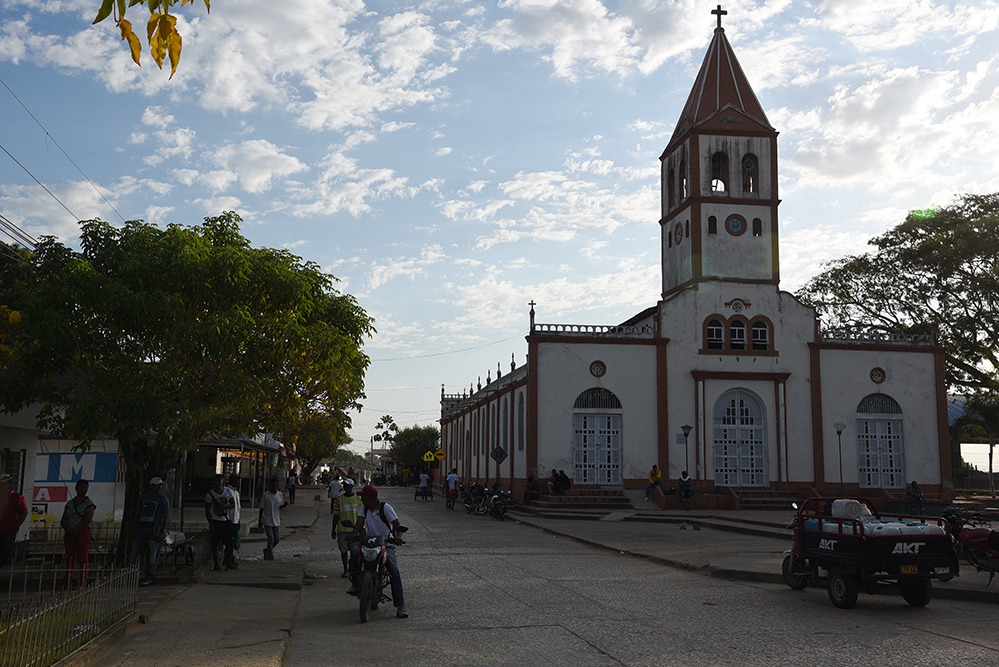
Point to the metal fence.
(39, 628)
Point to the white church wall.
(735, 148)
(910, 379)
(677, 255)
(564, 373)
(520, 434)
(744, 256)
(793, 327)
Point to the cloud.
(256, 163)
(178, 142)
(412, 268)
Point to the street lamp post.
(686, 428)
(840, 427)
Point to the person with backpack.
(218, 501)
(378, 519)
(346, 506)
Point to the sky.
(451, 161)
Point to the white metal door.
(879, 443)
(740, 443)
(596, 449)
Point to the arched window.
(683, 179)
(521, 428)
(671, 188)
(719, 172)
(596, 443)
(761, 336)
(879, 442)
(475, 434)
(468, 440)
(737, 336)
(492, 429)
(750, 174)
(686, 229)
(757, 227)
(712, 224)
(716, 335)
(669, 239)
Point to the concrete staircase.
(766, 499)
(588, 502)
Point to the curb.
(960, 594)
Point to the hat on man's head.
(348, 482)
(234, 477)
(5, 478)
(156, 481)
(369, 492)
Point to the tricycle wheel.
(795, 575)
(842, 588)
(917, 592)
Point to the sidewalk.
(733, 544)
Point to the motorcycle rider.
(377, 519)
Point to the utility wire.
(440, 354)
(16, 233)
(38, 181)
(61, 149)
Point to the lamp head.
(686, 428)
(840, 427)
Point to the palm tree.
(981, 420)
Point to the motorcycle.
(474, 499)
(974, 540)
(497, 503)
(374, 575)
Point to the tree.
(981, 421)
(317, 438)
(412, 443)
(387, 430)
(937, 273)
(164, 337)
(161, 29)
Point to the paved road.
(487, 593)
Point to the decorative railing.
(590, 330)
(877, 338)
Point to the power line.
(16, 233)
(47, 134)
(38, 181)
(440, 354)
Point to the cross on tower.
(720, 13)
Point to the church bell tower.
(719, 181)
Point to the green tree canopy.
(936, 273)
(162, 337)
(412, 443)
(317, 438)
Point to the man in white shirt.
(233, 483)
(333, 491)
(377, 518)
(271, 503)
(452, 487)
(218, 501)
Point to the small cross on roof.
(720, 13)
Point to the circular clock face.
(598, 368)
(678, 233)
(735, 225)
(878, 375)
(749, 162)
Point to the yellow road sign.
(440, 455)
(429, 456)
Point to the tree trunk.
(143, 461)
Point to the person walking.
(334, 490)
(290, 485)
(345, 508)
(76, 518)
(452, 488)
(655, 479)
(237, 540)
(153, 521)
(271, 504)
(13, 511)
(424, 484)
(218, 502)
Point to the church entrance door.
(596, 450)
(740, 443)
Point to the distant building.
(745, 365)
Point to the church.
(727, 377)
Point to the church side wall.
(564, 373)
(910, 379)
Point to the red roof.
(720, 87)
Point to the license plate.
(910, 569)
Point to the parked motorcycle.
(974, 540)
(374, 575)
(474, 499)
(497, 502)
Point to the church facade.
(727, 377)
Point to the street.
(484, 592)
